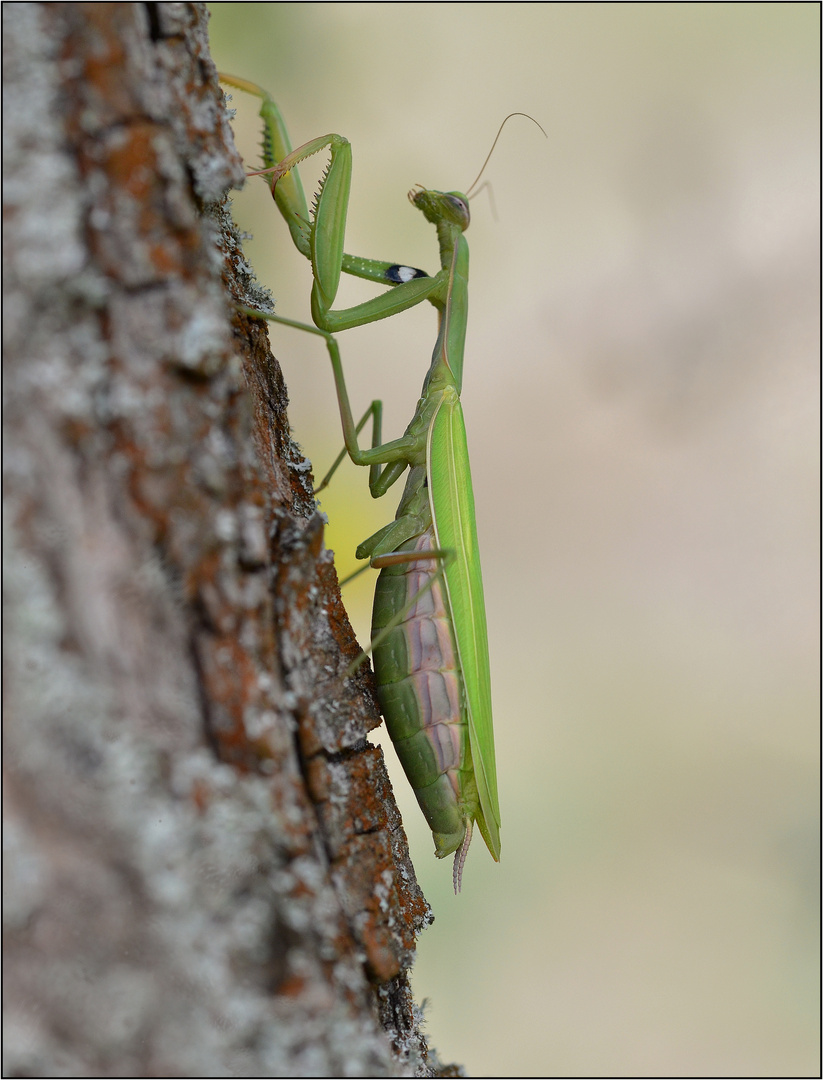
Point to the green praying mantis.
(429, 634)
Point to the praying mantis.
(429, 633)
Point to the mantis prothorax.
(430, 643)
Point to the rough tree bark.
(206, 873)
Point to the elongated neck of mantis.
(451, 338)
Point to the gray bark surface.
(205, 870)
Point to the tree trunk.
(206, 872)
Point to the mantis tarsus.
(430, 644)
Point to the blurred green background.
(641, 396)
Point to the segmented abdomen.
(421, 695)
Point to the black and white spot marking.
(401, 274)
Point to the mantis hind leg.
(397, 558)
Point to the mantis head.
(442, 207)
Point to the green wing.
(452, 501)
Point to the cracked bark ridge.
(206, 874)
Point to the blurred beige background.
(641, 395)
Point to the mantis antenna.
(497, 136)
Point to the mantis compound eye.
(461, 209)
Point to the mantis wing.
(452, 502)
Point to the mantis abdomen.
(421, 693)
